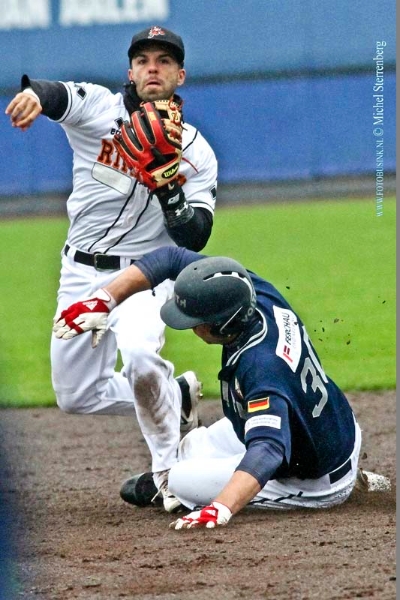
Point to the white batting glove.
(209, 517)
(87, 315)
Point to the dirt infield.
(77, 539)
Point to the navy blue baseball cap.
(157, 35)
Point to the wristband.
(224, 513)
(102, 294)
(30, 91)
(177, 211)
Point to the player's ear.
(181, 77)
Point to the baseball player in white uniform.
(115, 220)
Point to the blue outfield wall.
(58, 39)
(282, 90)
(295, 128)
(263, 130)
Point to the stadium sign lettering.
(25, 15)
(91, 12)
(33, 14)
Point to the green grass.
(333, 260)
(29, 271)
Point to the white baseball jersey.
(109, 210)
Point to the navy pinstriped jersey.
(274, 388)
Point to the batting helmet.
(214, 290)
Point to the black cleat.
(140, 490)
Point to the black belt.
(341, 472)
(101, 262)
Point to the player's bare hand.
(210, 516)
(23, 110)
(87, 315)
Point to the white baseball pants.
(85, 381)
(208, 457)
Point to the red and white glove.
(87, 315)
(209, 517)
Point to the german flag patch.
(260, 404)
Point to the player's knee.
(65, 405)
(146, 372)
(141, 362)
(70, 403)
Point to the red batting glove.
(209, 517)
(87, 315)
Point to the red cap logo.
(154, 31)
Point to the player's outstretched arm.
(37, 96)
(259, 464)
(24, 109)
(130, 282)
(91, 314)
(238, 492)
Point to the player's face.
(204, 333)
(156, 74)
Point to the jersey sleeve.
(267, 418)
(198, 170)
(85, 101)
(69, 102)
(53, 95)
(195, 233)
(166, 263)
(262, 460)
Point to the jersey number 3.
(318, 377)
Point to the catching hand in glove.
(209, 517)
(151, 144)
(87, 315)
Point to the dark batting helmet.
(214, 290)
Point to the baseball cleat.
(371, 482)
(170, 502)
(191, 394)
(140, 490)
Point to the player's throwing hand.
(209, 517)
(87, 315)
(24, 109)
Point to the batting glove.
(87, 315)
(209, 517)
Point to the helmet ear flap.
(220, 330)
(215, 329)
(236, 323)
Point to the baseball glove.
(151, 143)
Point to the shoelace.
(163, 491)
